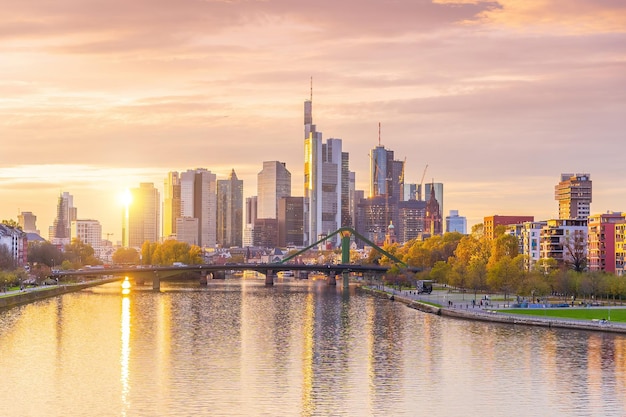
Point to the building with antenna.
(324, 164)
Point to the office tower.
(66, 213)
(89, 232)
(230, 211)
(346, 187)
(187, 230)
(143, 217)
(171, 204)
(386, 174)
(198, 200)
(456, 223)
(273, 183)
(410, 223)
(251, 216)
(409, 192)
(322, 181)
(438, 193)
(374, 215)
(28, 221)
(266, 233)
(290, 221)
(573, 193)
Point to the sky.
(498, 98)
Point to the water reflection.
(236, 348)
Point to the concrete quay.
(464, 310)
(19, 297)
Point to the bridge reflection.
(270, 270)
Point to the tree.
(80, 253)
(505, 274)
(11, 223)
(126, 256)
(44, 253)
(575, 251)
(6, 258)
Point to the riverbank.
(16, 298)
(467, 312)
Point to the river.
(298, 348)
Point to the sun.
(125, 198)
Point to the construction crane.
(422, 183)
(109, 235)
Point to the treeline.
(477, 264)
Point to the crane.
(109, 234)
(422, 182)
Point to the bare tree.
(575, 251)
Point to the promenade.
(460, 306)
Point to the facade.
(410, 221)
(386, 174)
(28, 221)
(531, 242)
(322, 181)
(456, 223)
(409, 192)
(251, 216)
(290, 221)
(198, 195)
(620, 248)
(143, 216)
(230, 211)
(266, 233)
(492, 222)
(171, 204)
(15, 241)
(66, 213)
(90, 232)
(564, 240)
(187, 230)
(603, 239)
(573, 193)
(273, 183)
(374, 215)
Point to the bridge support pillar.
(156, 281)
(332, 278)
(346, 279)
(269, 277)
(204, 279)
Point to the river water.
(299, 348)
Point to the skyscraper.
(28, 221)
(438, 187)
(171, 204)
(230, 211)
(322, 181)
(386, 174)
(142, 221)
(198, 199)
(573, 193)
(88, 231)
(273, 183)
(66, 213)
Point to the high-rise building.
(88, 231)
(564, 240)
(432, 216)
(273, 183)
(456, 223)
(28, 221)
(251, 216)
(322, 181)
(171, 204)
(531, 243)
(66, 213)
(410, 192)
(230, 211)
(386, 174)
(143, 217)
(198, 200)
(290, 221)
(573, 193)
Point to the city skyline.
(498, 98)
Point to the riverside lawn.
(617, 314)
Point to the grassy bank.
(613, 314)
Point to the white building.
(561, 237)
(531, 242)
(89, 232)
(15, 241)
